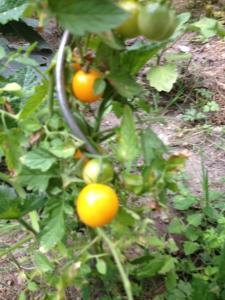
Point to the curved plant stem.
(124, 277)
(20, 191)
(27, 226)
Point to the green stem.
(15, 246)
(51, 93)
(5, 113)
(27, 226)
(124, 277)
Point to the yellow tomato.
(83, 85)
(97, 205)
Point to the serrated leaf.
(35, 101)
(190, 247)
(12, 207)
(169, 265)
(183, 203)
(176, 226)
(83, 16)
(127, 147)
(42, 262)
(38, 159)
(35, 179)
(125, 85)
(162, 78)
(195, 219)
(134, 59)
(10, 142)
(54, 229)
(12, 10)
(152, 146)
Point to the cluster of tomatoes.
(154, 20)
(97, 203)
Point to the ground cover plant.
(83, 218)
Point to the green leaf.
(12, 10)
(134, 59)
(162, 78)
(38, 159)
(42, 262)
(11, 141)
(176, 226)
(35, 179)
(99, 86)
(169, 265)
(54, 229)
(83, 16)
(125, 85)
(12, 207)
(195, 219)
(35, 101)
(208, 27)
(190, 247)
(181, 202)
(101, 266)
(11, 87)
(152, 146)
(127, 147)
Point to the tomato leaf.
(12, 10)
(128, 147)
(125, 85)
(42, 262)
(162, 78)
(152, 146)
(35, 101)
(83, 16)
(135, 58)
(10, 141)
(54, 229)
(35, 179)
(38, 159)
(12, 207)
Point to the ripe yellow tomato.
(83, 85)
(97, 205)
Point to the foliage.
(41, 176)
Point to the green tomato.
(157, 22)
(98, 170)
(129, 28)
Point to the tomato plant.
(157, 21)
(98, 170)
(97, 205)
(53, 179)
(83, 85)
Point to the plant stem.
(20, 191)
(27, 226)
(15, 246)
(5, 113)
(51, 92)
(124, 277)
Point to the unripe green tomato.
(157, 22)
(129, 28)
(98, 170)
